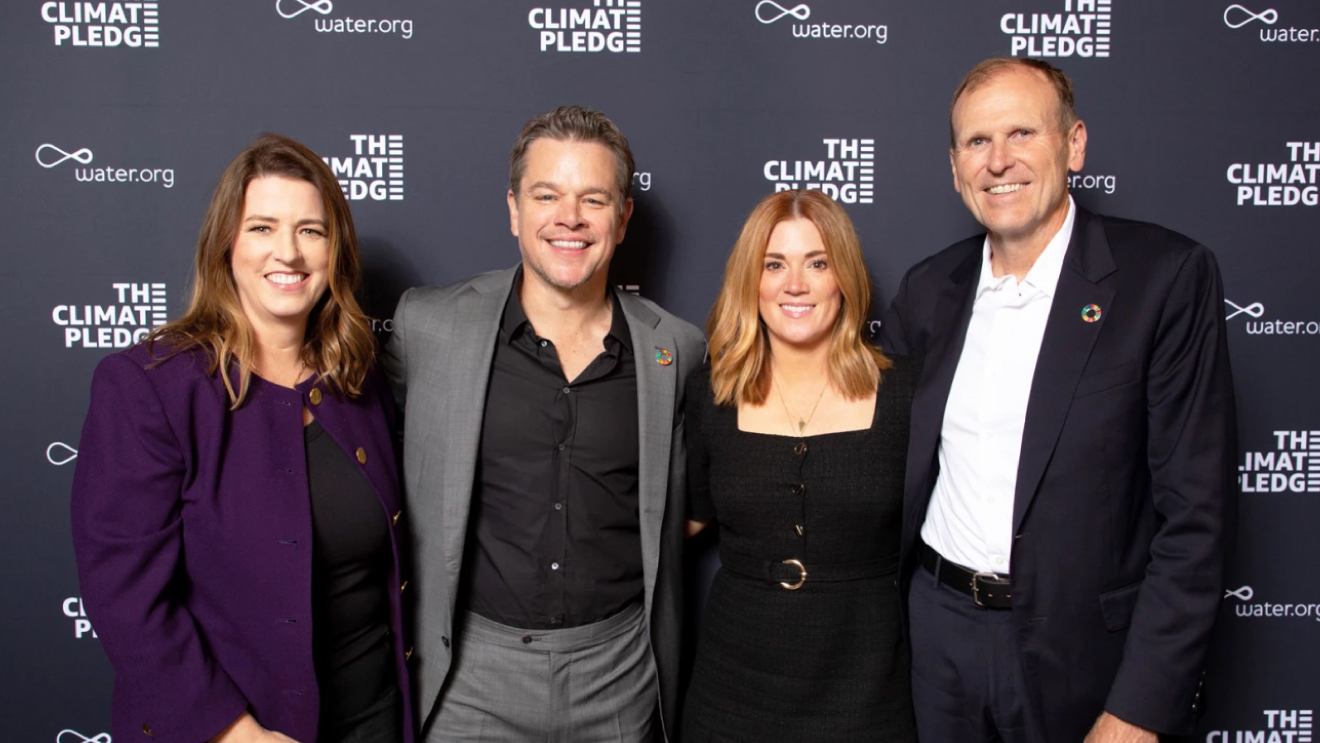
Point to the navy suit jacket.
(192, 529)
(1125, 486)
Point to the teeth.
(797, 307)
(286, 278)
(1009, 188)
(569, 243)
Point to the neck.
(1016, 254)
(277, 354)
(550, 308)
(793, 365)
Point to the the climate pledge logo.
(136, 310)
(1279, 726)
(606, 26)
(1291, 183)
(1292, 466)
(104, 24)
(1081, 30)
(846, 174)
(374, 170)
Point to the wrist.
(242, 730)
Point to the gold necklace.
(801, 422)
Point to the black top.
(825, 662)
(555, 534)
(351, 561)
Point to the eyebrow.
(781, 257)
(299, 223)
(553, 187)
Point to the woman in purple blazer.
(236, 506)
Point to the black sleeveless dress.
(824, 662)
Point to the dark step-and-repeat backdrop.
(118, 117)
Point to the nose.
(1001, 157)
(286, 249)
(796, 283)
(569, 214)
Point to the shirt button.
(799, 489)
(314, 396)
(527, 639)
(554, 566)
(543, 345)
(559, 506)
(362, 455)
(562, 447)
(999, 561)
(800, 449)
(567, 390)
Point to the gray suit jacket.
(439, 360)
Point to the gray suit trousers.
(590, 684)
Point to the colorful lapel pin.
(663, 357)
(1091, 312)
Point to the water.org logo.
(1279, 184)
(59, 453)
(374, 170)
(138, 309)
(319, 11)
(846, 174)
(51, 156)
(769, 11)
(1081, 30)
(1239, 16)
(607, 26)
(73, 736)
(105, 24)
(1247, 608)
(1292, 467)
(1253, 319)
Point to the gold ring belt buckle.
(801, 578)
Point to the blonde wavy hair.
(739, 345)
(339, 342)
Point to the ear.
(953, 166)
(513, 212)
(1077, 146)
(623, 219)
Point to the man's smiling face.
(1011, 156)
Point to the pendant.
(802, 425)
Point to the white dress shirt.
(970, 518)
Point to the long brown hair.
(739, 346)
(338, 343)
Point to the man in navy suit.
(1070, 483)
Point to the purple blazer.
(192, 529)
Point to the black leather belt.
(986, 589)
(792, 574)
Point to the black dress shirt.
(554, 536)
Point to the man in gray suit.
(544, 465)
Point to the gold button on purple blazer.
(192, 529)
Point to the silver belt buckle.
(976, 592)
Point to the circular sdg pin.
(1091, 312)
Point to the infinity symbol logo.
(77, 737)
(1244, 593)
(800, 12)
(1268, 17)
(83, 156)
(1255, 310)
(320, 6)
(65, 453)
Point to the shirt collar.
(1044, 273)
(515, 317)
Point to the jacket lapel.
(1064, 351)
(953, 312)
(655, 420)
(455, 433)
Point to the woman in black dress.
(797, 434)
